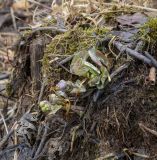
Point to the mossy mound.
(66, 44)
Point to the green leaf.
(81, 67)
(91, 68)
(45, 106)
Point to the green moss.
(9, 89)
(148, 31)
(49, 22)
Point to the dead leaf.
(132, 20)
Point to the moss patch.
(149, 30)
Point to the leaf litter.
(88, 89)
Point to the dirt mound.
(86, 84)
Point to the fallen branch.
(154, 61)
(43, 29)
(124, 49)
(50, 29)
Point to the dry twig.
(153, 132)
(13, 18)
(4, 122)
(5, 139)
